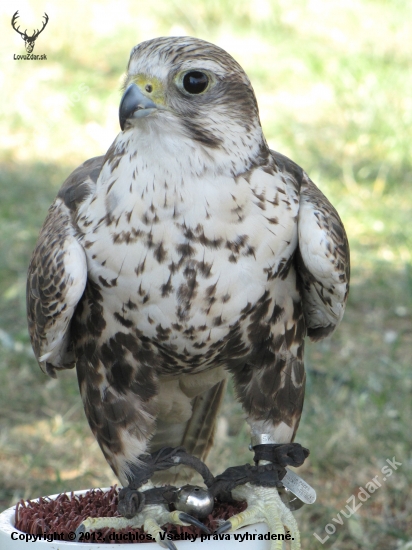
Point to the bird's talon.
(224, 527)
(79, 531)
(169, 544)
(187, 518)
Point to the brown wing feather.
(57, 273)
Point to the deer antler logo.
(28, 40)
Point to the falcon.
(188, 253)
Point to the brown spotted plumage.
(188, 252)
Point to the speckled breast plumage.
(188, 265)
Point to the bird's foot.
(150, 519)
(264, 505)
(144, 506)
(147, 511)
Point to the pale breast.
(182, 262)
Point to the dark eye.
(195, 82)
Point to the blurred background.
(333, 80)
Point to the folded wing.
(57, 273)
(322, 261)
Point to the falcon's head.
(194, 98)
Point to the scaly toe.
(265, 504)
(94, 524)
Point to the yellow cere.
(157, 89)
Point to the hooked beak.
(134, 105)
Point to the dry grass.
(333, 80)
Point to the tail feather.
(195, 435)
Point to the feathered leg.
(121, 412)
(271, 390)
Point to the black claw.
(223, 528)
(79, 531)
(187, 518)
(169, 544)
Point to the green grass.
(333, 81)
